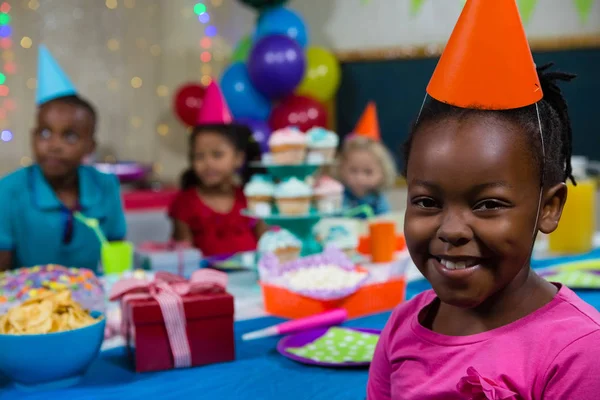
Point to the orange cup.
(383, 241)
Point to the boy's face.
(473, 192)
(215, 159)
(361, 172)
(64, 135)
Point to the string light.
(162, 129)
(136, 82)
(6, 136)
(205, 56)
(206, 69)
(155, 50)
(129, 3)
(113, 44)
(205, 43)
(5, 8)
(26, 42)
(204, 18)
(162, 91)
(33, 4)
(199, 8)
(211, 30)
(10, 68)
(111, 4)
(206, 80)
(217, 3)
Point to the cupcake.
(293, 197)
(329, 195)
(321, 144)
(288, 146)
(259, 194)
(341, 238)
(282, 243)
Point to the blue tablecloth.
(258, 373)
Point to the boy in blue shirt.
(37, 225)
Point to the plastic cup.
(383, 241)
(117, 257)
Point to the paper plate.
(304, 338)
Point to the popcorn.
(323, 277)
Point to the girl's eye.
(72, 137)
(488, 205)
(426, 202)
(45, 134)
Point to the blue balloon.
(243, 99)
(276, 66)
(282, 21)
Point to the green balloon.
(260, 4)
(242, 49)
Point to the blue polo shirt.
(33, 221)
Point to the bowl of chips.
(49, 341)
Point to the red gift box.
(208, 324)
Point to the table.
(259, 372)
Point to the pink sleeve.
(575, 372)
(379, 386)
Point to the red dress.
(215, 233)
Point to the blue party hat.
(52, 80)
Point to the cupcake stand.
(300, 225)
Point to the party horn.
(328, 318)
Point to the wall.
(367, 24)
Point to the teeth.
(453, 265)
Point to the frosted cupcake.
(259, 194)
(282, 243)
(293, 197)
(288, 146)
(341, 238)
(321, 144)
(329, 195)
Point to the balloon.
(260, 132)
(261, 4)
(187, 102)
(282, 21)
(322, 76)
(242, 49)
(244, 101)
(300, 111)
(276, 66)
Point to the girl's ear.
(553, 203)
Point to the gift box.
(178, 258)
(174, 323)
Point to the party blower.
(328, 318)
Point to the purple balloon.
(276, 66)
(260, 131)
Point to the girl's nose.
(454, 230)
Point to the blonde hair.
(379, 151)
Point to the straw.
(93, 224)
(365, 208)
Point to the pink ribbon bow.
(168, 289)
(475, 386)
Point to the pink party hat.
(214, 109)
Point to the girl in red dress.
(207, 210)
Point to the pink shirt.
(551, 354)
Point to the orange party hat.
(487, 62)
(368, 124)
(214, 108)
